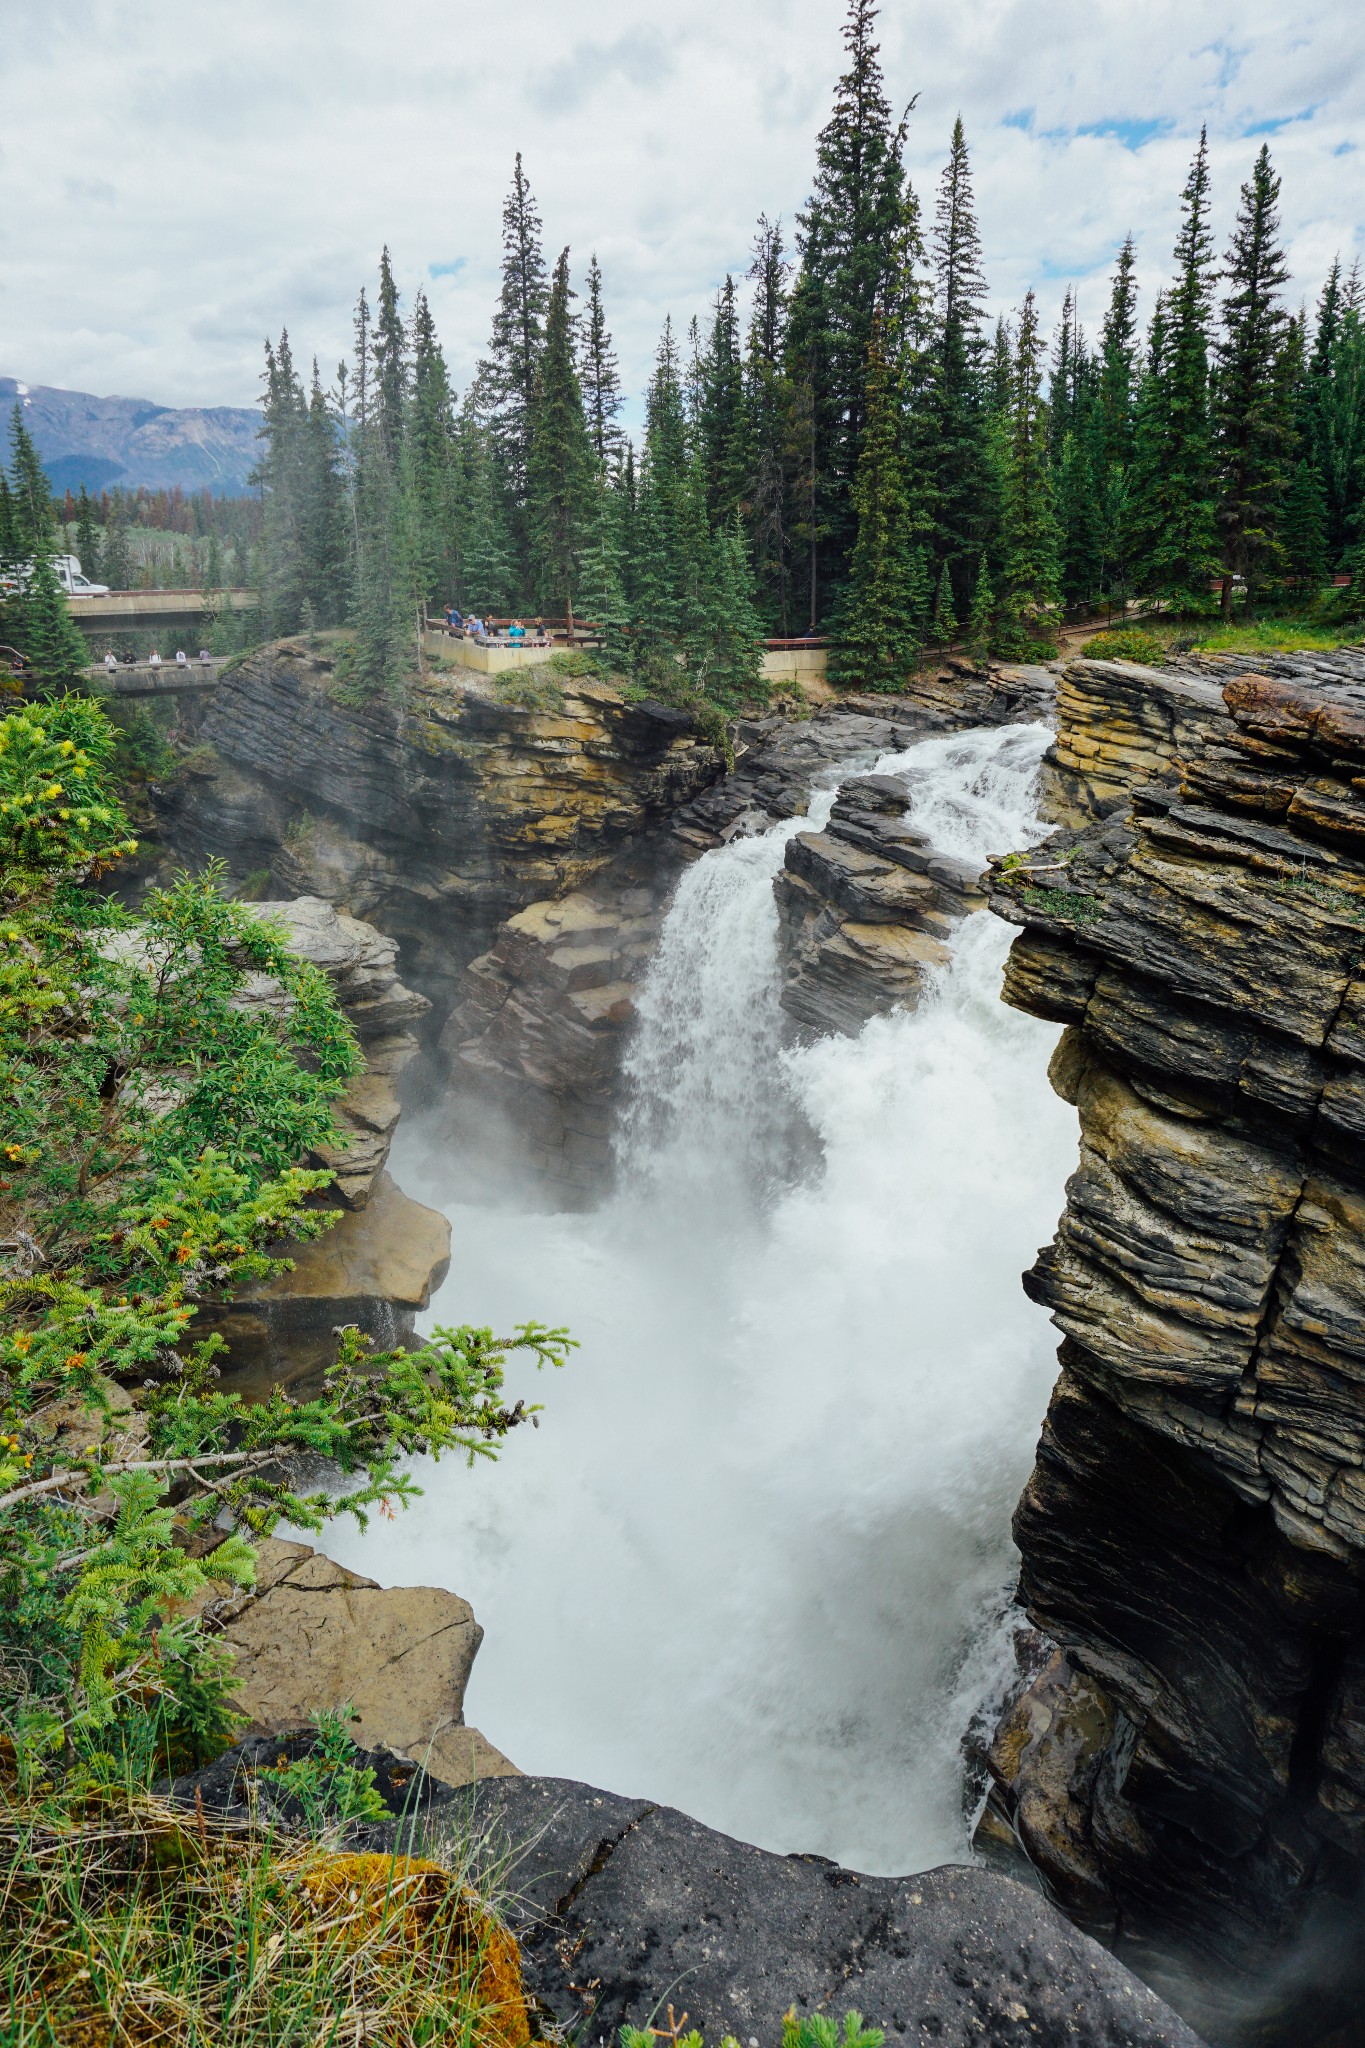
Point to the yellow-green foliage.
(1126, 643)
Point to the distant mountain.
(100, 442)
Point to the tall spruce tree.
(88, 538)
(884, 614)
(1112, 443)
(722, 424)
(560, 462)
(390, 363)
(1029, 534)
(1252, 399)
(280, 476)
(598, 375)
(956, 414)
(518, 325)
(1336, 383)
(323, 521)
(36, 617)
(1175, 535)
(484, 565)
(851, 241)
(431, 441)
(768, 410)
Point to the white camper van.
(69, 575)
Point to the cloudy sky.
(178, 177)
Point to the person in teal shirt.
(516, 632)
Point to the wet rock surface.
(625, 1906)
(866, 906)
(1193, 1535)
(621, 1907)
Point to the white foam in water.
(748, 1563)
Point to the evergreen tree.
(323, 523)
(560, 462)
(1336, 387)
(87, 538)
(1112, 443)
(116, 558)
(390, 364)
(36, 618)
(485, 564)
(883, 617)
(851, 240)
(657, 560)
(1252, 398)
(981, 619)
(598, 375)
(1029, 536)
(279, 473)
(956, 415)
(722, 420)
(517, 327)
(1066, 371)
(1175, 537)
(767, 406)
(431, 438)
(945, 618)
(602, 593)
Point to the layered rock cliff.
(541, 1021)
(1186, 1767)
(436, 821)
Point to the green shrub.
(154, 1117)
(1125, 643)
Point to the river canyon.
(718, 1074)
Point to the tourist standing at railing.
(111, 660)
(154, 659)
(516, 633)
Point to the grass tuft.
(126, 1923)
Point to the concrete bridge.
(156, 607)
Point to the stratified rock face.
(866, 906)
(1119, 725)
(434, 823)
(359, 963)
(542, 1018)
(622, 1906)
(1189, 1774)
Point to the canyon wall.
(541, 1019)
(435, 821)
(1184, 1765)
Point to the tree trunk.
(1227, 597)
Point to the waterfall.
(753, 1561)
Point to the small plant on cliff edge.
(155, 1109)
(813, 2030)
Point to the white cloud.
(176, 181)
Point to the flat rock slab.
(623, 1906)
(313, 1636)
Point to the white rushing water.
(752, 1562)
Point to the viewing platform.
(784, 661)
